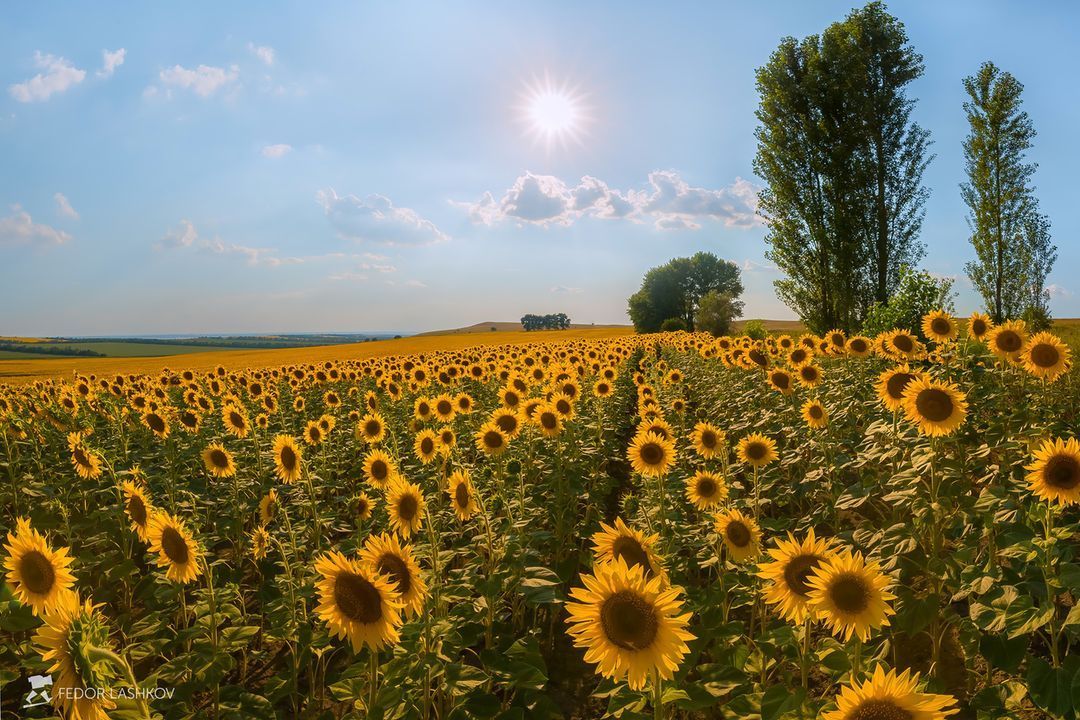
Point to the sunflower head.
(1045, 356)
(850, 595)
(491, 439)
(740, 534)
(979, 324)
(1054, 475)
(39, 576)
(426, 445)
(706, 490)
(888, 696)
(357, 602)
(176, 549)
(260, 542)
(709, 441)
(218, 461)
(891, 386)
(137, 507)
(937, 408)
(379, 469)
(939, 326)
(405, 503)
(364, 505)
(633, 547)
(1007, 340)
(288, 458)
(389, 558)
(815, 414)
(462, 495)
(787, 574)
(371, 428)
(651, 455)
(757, 450)
(268, 507)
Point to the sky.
(227, 167)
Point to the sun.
(554, 113)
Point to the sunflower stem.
(658, 697)
(95, 653)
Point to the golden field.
(574, 524)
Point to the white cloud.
(276, 151)
(63, 206)
(204, 80)
(564, 290)
(376, 219)
(669, 202)
(184, 235)
(19, 228)
(263, 52)
(754, 266)
(58, 76)
(1058, 291)
(350, 276)
(110, 61)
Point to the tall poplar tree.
(843, 165)
(1013, 253)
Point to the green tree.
(716, 311)
(675, 289)
(918, 293)
(1013, 252)
(843, 165)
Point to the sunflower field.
(665, 526)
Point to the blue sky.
(221, 167)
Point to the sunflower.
(371, 428)
(757, 450)
(632, 547)
(86, 462)
(706, 490)
(137, 506)
(444, 408)
(406, 506)
(447, 440)
(651, 455)
(288, 459)
(314, 433)
(40, 576)
(859, 346)
(629, 624)
(218, 461)
(157, 423)
(235, 420)
(891, 386)
(491, 440)
(388, 557)
(741, 534)
(422, 409)
(379, 469)
(69, 629)
(938, 408)
(268, 507)
(939, 326)
(815, 414)
(602, 388)
(364, 506)
(781, 381)
(886, 695)
(979, 325)
(175, 548)
(462, 495)
(850, 595)
(260, 542)
(793, 562)
(1045, 356)
(901, 344)
(426, 446)
(357, 602)
(1007, 340)
(709, 441)
(1055, 473)
(548, 420)
(509, 421)
(809, 375)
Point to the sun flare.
(555, 114)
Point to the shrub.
(755, 329)
(673, 324)
(716, 311)
(917, 294)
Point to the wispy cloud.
(376, 219)
(63, 206)
(265, 53)
(57, 75)
(564, 290)
(669, 202)
(111, 59)
(1057, 291)
(19, 228)
(754, 266)
(276, 151)
(183, 235)
(204, 80)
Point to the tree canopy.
(674, 290)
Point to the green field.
(114, 349)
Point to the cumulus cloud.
(19, 228)
(204, 80)
(184, 235)
(63, 206)
(57, 75)
(669, 202)
(111, 59)
(1057, 291)
(276, 151)
(376, 219)
(263, 52)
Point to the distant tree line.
(41, 349)
(555, 321)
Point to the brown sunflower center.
(708, 439)
(508, 423)
(630, 550)
(798, 570)
(896, 383)
(978, 327)
(444, 407)
(1008, 341)
(903, 343)
(816, 412)
(176, 549)
(461, 495)
(737, 533)
(394, 566)
(629, 621)
(357, 598)
(137, 510)
(707, 487)
(218, 458)
(379, 470)
(36, 572)
(850, 593)
(879, 710)
(372, 428)
(427, 446)
(1045, 355)
(940, 326)
(549, 421)
(1062, 471)
(407, 507)
(652, 453)
(288, 458)
(782, 381)
(156, 422)
(756, 450)
(493, 440)
(858, 345)
(934, 404)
